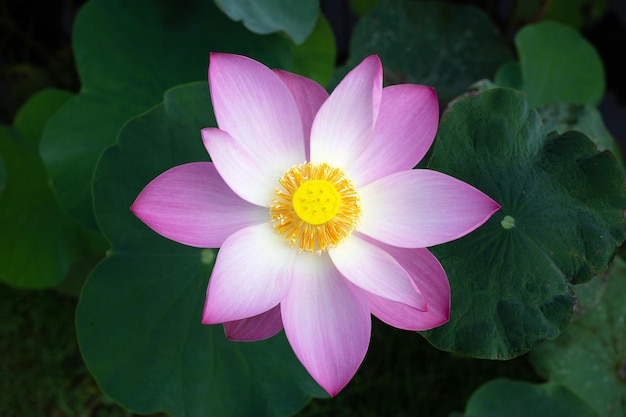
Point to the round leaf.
(590, 357)
(559, 65)
(295, 17)
(139, 316)
(315, 58)
(509, 75)
(506, 398)
(128, 53)
(562, 117)
(559, 117)
(39, 242)
(560, 224)
(438, 44)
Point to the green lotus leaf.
(39, 242)
(433, 43)
(558, 65)
(509, 75)
(587, 119)
(560, 224)
(559, 117)
(316, 56)
(506, 398)
(294, 17)
(590, 357)
(139, 316)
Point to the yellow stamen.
(316, 207)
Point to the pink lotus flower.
(320, 218)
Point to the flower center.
(316, 201)
(316, 207)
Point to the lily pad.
(507, 398)
(590, 357)
(294, 17)
(560, 224)
(316, 56)
(433, 43)
(39, 242)
(509, 75)
(587, 119)
(559, 117)
(139, 316)
(127, 54)
(558, 65)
